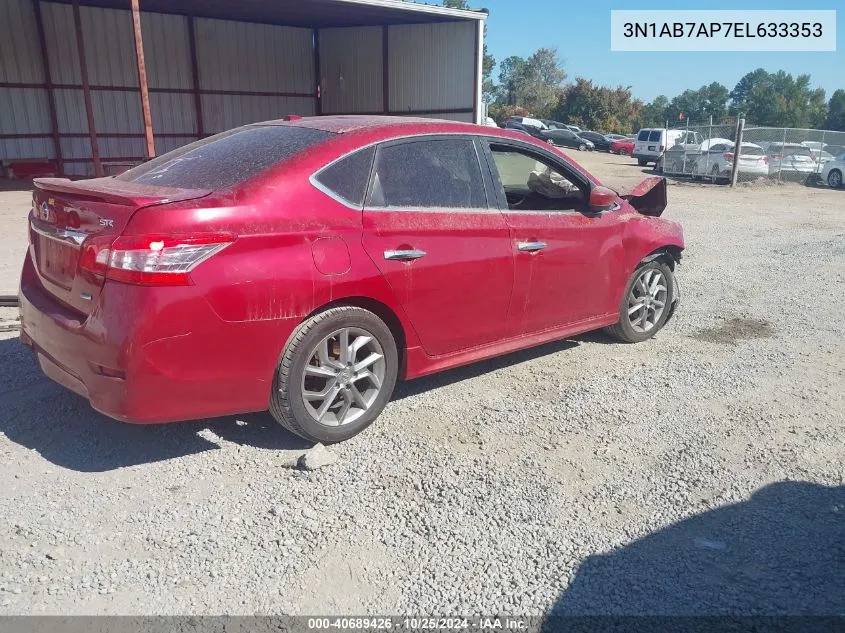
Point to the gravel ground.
(700, 472)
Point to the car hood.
(648, 196)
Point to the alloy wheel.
(834, 178)
(647, 300)
(343, 376)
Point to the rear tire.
(641, 162)
(657, 288)
(314, 361)
(834, 178)
(623, 152)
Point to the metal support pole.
(142, 79)
(48, 83)
(740, 128)
(86, 91)
(782, 154)
(385, 67)
(195, 76)
(318, 90)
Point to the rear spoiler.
(648, 196)
(118, 192)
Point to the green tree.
(653, 114)
(779, 100)
(597, 107)
(836, 111)
(540, 83)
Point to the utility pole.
(740, 128)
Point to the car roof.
(353, 123)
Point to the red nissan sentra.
(304, 266)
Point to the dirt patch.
(735, 329)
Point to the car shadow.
(61, 426)
(427, 383)
(780, 552)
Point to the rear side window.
(226, 159)
(348, 177)
(654, 136)
(428, 174)
(643, 136)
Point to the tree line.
(536, 86)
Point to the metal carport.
(72, 88)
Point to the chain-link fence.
(709, 152)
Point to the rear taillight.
(150, 260)
(765, 159)
(729, 157)
(661, 148)
(777, 156)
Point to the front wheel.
(582, 147)
(646, 303)
(834, 178)
(335, 376)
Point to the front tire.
(834, 178)
(582, 147)
(646, 303)
(335, 376)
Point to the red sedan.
(304, 266)
(622, 146)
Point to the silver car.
(832, 174)
(790, 160)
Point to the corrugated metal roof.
(20, 57)
(254, 57)
(167, 52)
(108, 37)
(60, 36)
(351, 77)
(443, 77)
(223, 112)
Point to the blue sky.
(581, 33)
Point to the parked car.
(530, 130)
(623, 146)
(600, 141)
(528, 121)
(490, 122)
(567, 138)
(557, 125)
(833, 170)
(615, 137)
(790, 160)
(717, 161)
(304, 266)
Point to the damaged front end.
(647, 197)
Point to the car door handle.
(404, 255)
(531, 247)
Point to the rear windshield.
(643, 135)
(654, 136)
(751, 151)
(226, 159)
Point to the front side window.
(643, 136)
(532, 183)
(429, 174)
(347, 178)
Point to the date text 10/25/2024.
(494, 623)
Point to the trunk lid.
(71, 221)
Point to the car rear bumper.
(139, 363)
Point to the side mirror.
(602, 199)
